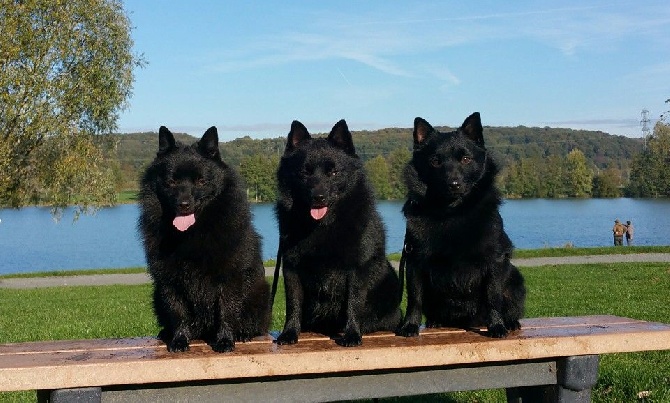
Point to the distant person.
(629, 233)
(618, 231)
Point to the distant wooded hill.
(508, 144)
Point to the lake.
(31, 240)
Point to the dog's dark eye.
(200, 182)
(466, 159)
(172, 183)
(332, 172)
(435, 161)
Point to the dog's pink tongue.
(183, 222)
(318, 213)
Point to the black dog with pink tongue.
(336, 276)
(202, 251)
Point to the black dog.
(458, 254)
(336, 275)
(202, 252)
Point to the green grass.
(637, 290)
(126, 196)
(571, 251)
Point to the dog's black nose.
(319, 199)
(455, 186)
(184, 205)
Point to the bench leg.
(79, 395)
(575, 378)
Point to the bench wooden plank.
(68, 364)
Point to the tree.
(664, 115)
(650, 170)
(578, 175)
(553, 177)
(66, 71)
(259, 172)
(606, 183)
(378, 174)
(522, 179)
(397, 160)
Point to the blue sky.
(250, 68)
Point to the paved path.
(637, 257)
(142, 278)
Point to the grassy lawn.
(637, 290)
(606, 250)
(126, 196)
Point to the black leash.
(275, 280)
(401, 269)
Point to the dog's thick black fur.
(458, 255)
(202, 251)
(336, 275)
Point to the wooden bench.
(550, 359)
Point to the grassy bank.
(603, 250)
(637, 290)
(126, 196)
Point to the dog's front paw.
(408, 330)
(223, 345)
(178, 344)
(288, 337)
(350, 339)
(514, 325)
(165, 335)
(497, 330)
(244, 336)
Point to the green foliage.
(379, 177)
(548, 177)
(397, 160)
(578, 175)
(650, 170)
(523, 178)
(233, 152)
(552, 177)
(386, 174)
(66, 71)
(607, 183)
(533, 159)
(259, 173)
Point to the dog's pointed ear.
(340, 137)
(166, 141)
(472, 127)
(208, 145)
(422, 130)
(297, 135)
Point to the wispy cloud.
(598, 27)
(376, 41)
(444, 75)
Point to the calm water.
(30, 240)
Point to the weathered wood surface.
(79, 363)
